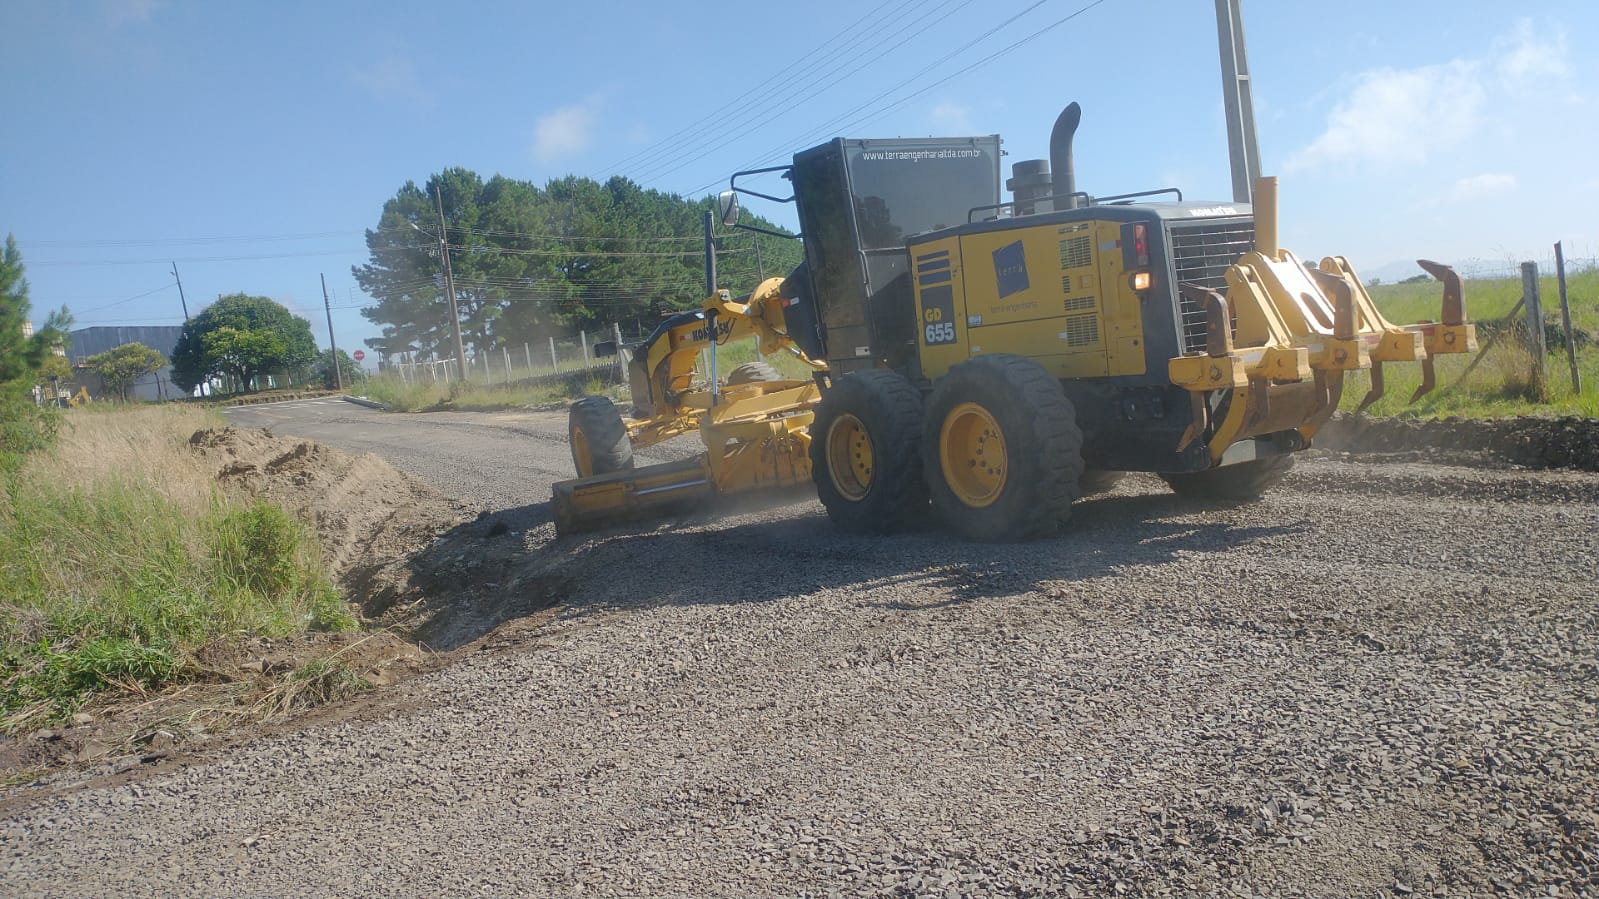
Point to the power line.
(165, 260)
(170, 241)
(780, 73)
(913, 95)
(808, 136)
(720, 139)
(129, 299)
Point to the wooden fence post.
(621, 360)
(555, 363)
(1565, 319)
(1535, 334)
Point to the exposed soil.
(1536, 443)
(390, 541)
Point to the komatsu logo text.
(723, 328)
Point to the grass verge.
(1501, 385)
(120, 561)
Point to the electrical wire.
(809, 136)
(876, 113)
(816, 57)
(721, 138)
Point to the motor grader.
(998, 359)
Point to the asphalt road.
(1378, 681)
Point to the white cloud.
(1527, 57)
(1398, 117)
(1475, 187)
(952, 118)
(394, 78)
(563, 132)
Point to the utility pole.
(333, 345)
(1238, 99)
(449, 285)
(710, 256)
(181, 298)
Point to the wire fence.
(508, 364)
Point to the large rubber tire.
(864, 453)
(1095, 481)
(1031, 484)
(1242, 481)
(752, 373)
(599, 440)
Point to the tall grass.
(1501, 385)
(120, 560)
(414, 396)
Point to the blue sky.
(253, 142)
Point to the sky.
(252, 143)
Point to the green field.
(1501, 385)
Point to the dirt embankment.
(391, 543)
(1537, 443)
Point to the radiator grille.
(1082, 330)
(1202, 251)
(1078, 304)
(1076, 252)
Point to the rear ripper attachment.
(1279, 342)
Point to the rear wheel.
(600, 444)
(864, 457)
(1242, 481)
(753, 373)
(1001, 449)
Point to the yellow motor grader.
(998, 359)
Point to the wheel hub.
(849, 457)
(971, 451)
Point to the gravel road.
(1379, 681)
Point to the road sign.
(359, 355)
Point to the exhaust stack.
(1060, 155)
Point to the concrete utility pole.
(1238, 98)
(449, 285)
(333, 345)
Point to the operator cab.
(858, 202)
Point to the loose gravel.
(1379, 681)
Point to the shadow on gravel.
(497, 569)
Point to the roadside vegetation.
(121, 563)
(1502, 384)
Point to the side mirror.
(727, 202)
(604, 348)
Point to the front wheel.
(599, 440)
(1001, 450)
(864, 457)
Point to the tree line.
(528, 262)
(531, 262)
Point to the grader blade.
(584, 504)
